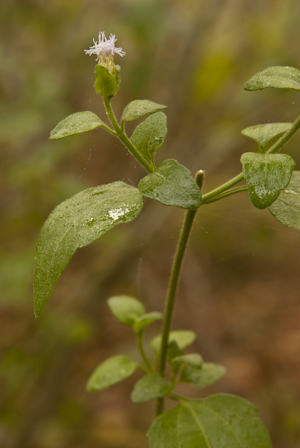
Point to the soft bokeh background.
(240, 285)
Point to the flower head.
(105, 50)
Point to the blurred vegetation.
(240, 284)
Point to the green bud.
(106, 83)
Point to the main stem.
(181, 247)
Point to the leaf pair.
(130, 311)
(120, 367)
(268, 175)
(81, 122)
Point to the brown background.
(240, 284)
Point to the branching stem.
(223, 187)
(227, 193)
(275, 148)
(123, 137)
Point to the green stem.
(223, 187)
(141, 348)
(181, 247)
(108, 129)
(227, 193)
(274, 148)
(123, 137)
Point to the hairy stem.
(108, 129)
(123, 137)
(181, 247)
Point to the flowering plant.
(220, 420)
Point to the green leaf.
(181, 337)
(209, 374)
(173, 351)
(126, 309)
(150, 387)
(75, 223)
(172, 184)
(219, 421)
(144, 321)
(266, 175)
(276, 77)
(286, 209)
(76, 124)
(110, 372)
(263, 133)
(106, 84)
(139, 108)
(148, 137)
(193, 360)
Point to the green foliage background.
(240, 285)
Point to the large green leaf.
(263, 133)
(75, 223)
(209, 374)
(126, 309)
(219, 421)
(76, 124)
(286, 209)
(182, 338)
(277, 77)
(267, 175)
(149, 136)
(110, 372)
(139, 108)
(172, 184)
(150, 387)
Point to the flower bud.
(107, 72)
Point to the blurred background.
(240, 285)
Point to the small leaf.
(193, 360)
(219, 421)
(286, 209)
(263, 133)
(75, 223)
(209, 374)
(148, 137)
(139, 108)
(172, 184)
(181, 337)
(106, 84)
(173, 351)
(76, 124)
(150, 387)
(145, 320)
(266, 175)
(126, 309)
(276, 77)
(110, 372)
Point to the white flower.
(105, 49)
